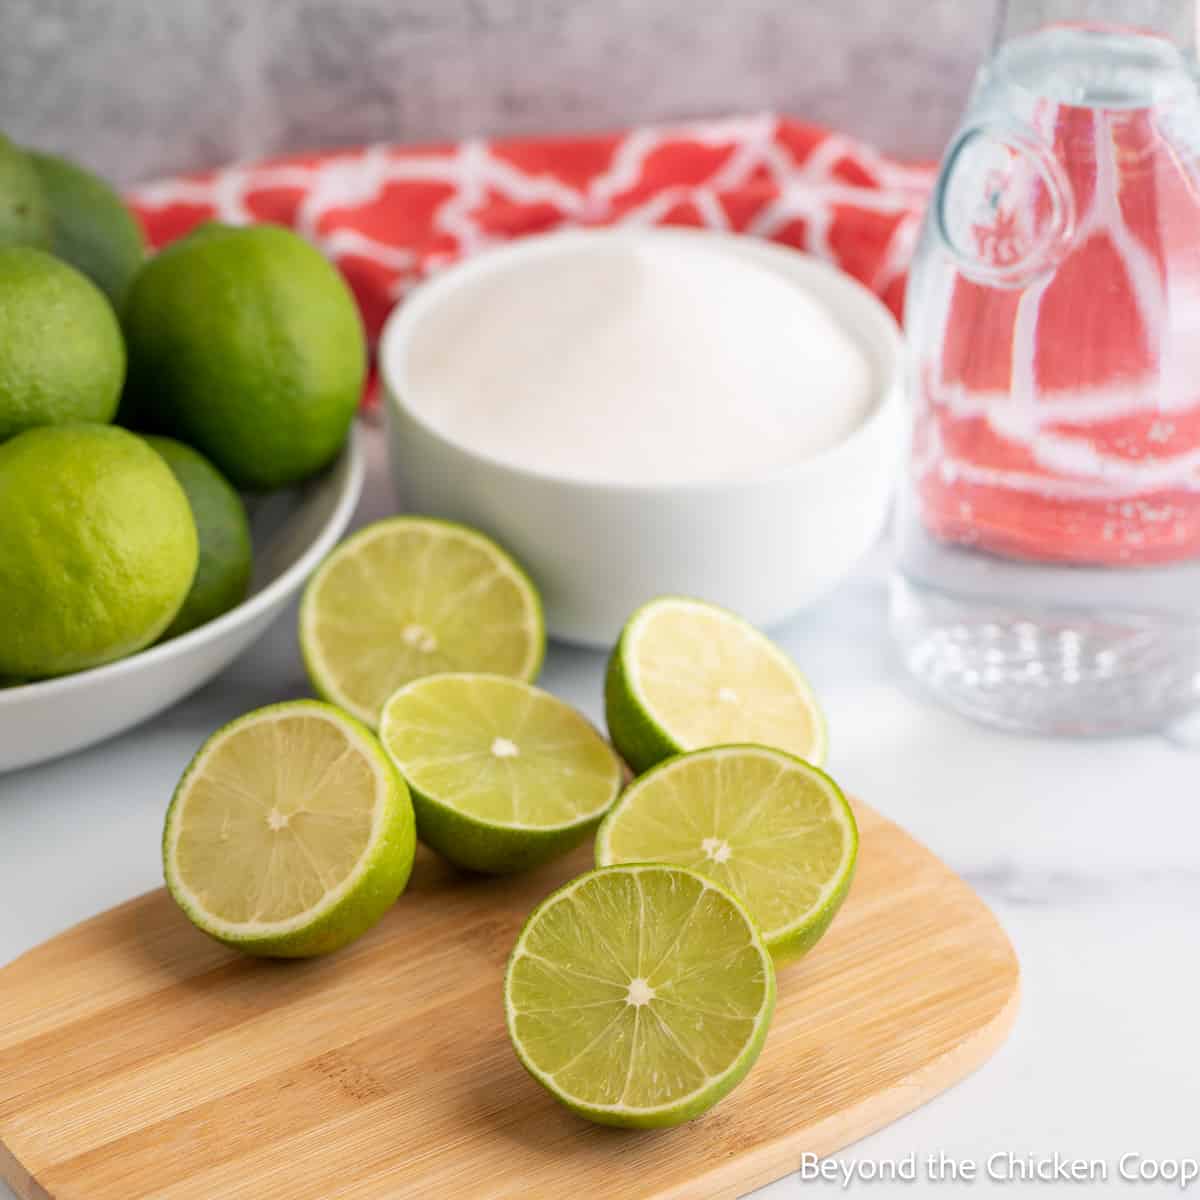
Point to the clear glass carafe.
(1048, 575)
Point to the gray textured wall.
(141, 87)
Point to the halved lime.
(686, 675)
(774, 830)
(414, 596)
(503, 776)
(639, 995)
(290, 833)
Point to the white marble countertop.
(1089, 853)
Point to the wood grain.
(139, 1059)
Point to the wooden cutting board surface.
(139, 1059)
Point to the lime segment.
(290, 833)
(686, 675)
(639, 995)
(410, 597)
(774, 830)
(503, 775)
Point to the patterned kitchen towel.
(389, 215)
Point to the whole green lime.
(97, 548)
(247, 344)
(226, 554)
(24, 210)
(61, 354)
(90, 227)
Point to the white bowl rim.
(882, 331)
(275, 591)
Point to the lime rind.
(246, 343)
(796, 937)
(679, 1109)
(345, 911)
(321, 673)
(491, 845)
(25, 218)
(642, 736)
(226, 562)
(98, 548)
(91, 227)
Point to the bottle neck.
(1174, 20)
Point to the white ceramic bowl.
(764, 547)
(292, 530)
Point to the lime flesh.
(686, 675)
(774, 830)
(290, 833)
(639, 995)
(503, 776)
(413, 596)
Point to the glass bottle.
(1048, 570)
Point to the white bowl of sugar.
(640, 412)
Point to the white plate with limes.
(292, 530)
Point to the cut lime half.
(290, 833)
(413, 596)
(774, 830)
(639, 995)
(503, 776)
(686, 675)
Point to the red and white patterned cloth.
(389, 215)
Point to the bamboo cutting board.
(139, 1059)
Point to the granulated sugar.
(639, 361)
